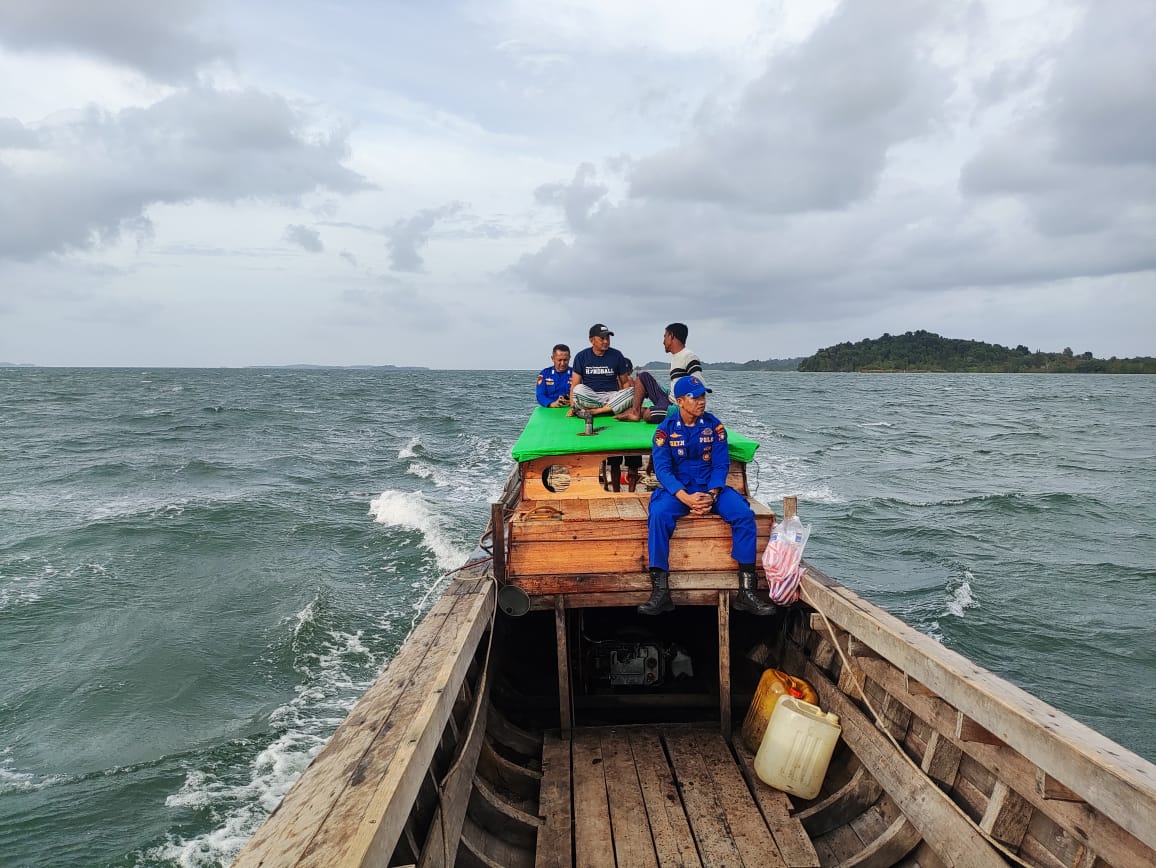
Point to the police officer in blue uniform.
(691, 461)
(554, 382)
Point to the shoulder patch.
(660, 438)
(539, 379)
(720, 431)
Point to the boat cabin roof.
(550, 431)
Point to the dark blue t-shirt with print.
(600, 373)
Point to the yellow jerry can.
(772, 685)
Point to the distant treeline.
(926, 351)
(752, 365)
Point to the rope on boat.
(879, 720)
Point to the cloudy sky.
(462, 184)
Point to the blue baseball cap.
(692, 386)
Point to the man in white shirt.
(684, 362)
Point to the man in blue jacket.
(554, 382)
(691, 461)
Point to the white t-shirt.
(683, 364)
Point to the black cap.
(600, 330)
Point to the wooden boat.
(533, 718)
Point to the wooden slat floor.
(658, 796)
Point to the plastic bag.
(783, 558)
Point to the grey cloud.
(348, 257)
(160, 40)
(799, 212)
(1083, 160)
(201, 144)
(13, 134)
(576, 199)
(1103, 93)
(406, 237)
(304, 237)
(814, 131)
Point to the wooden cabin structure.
(533, 718)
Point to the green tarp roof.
(551, 432)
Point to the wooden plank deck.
(663, 795)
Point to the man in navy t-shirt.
(599, 380)
(554, 382)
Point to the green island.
(926, 352)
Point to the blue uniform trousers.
(666, 510)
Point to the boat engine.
(638, 664)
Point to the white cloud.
(95, 174)
(782, 175)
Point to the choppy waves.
(227, 559)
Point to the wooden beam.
(791, 836)
(376, 814)
(600, 583)
(896, 717)
(915, 688)
(455, 789)
(623, 598)
(673, 842)
(616, 557)
(593, 836)
(1007, 816)
(941, 760)
(498, 540)
(355, 797)
(1086, 824)
(1114, 780)
(632, 840)
(888, 848)
(929, 809)
(565, 713)
(707, 816)
(967, 729)
(724, 663)
(1050, 788)
(842, 806)
(555, 848)
(748, 829)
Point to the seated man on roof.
(646, 387)
(599, 382)
(691, 461)
(554, 382)
(684, 362)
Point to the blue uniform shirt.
(552, 385)
(695, 457)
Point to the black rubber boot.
(745, 599)
(659, 601)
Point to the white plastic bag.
(783, 558)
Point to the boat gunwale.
(1110, 778)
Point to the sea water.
(201, 570)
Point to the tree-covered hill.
(926, 351)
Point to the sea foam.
(960, 596)
(322, 699)
(409, 510)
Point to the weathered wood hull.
(496, 740)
